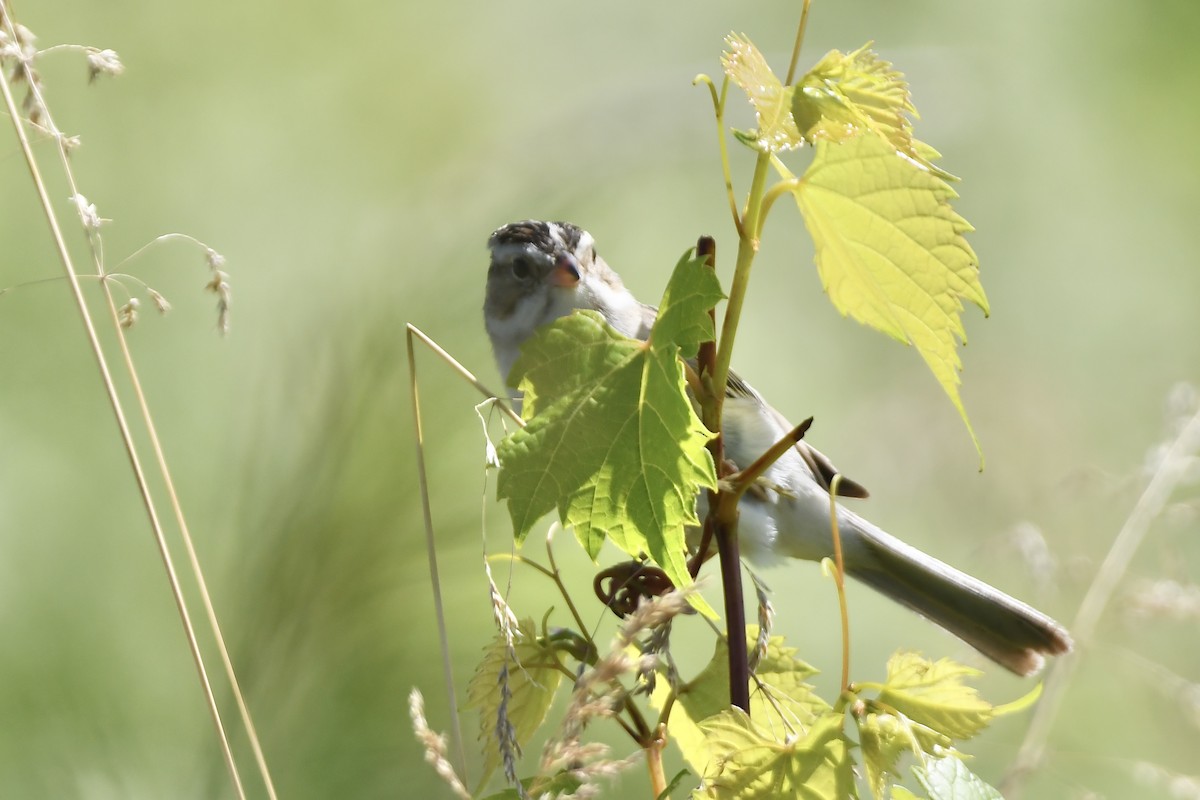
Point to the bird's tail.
(1011, 633)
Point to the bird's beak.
(566, 271)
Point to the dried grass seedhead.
(1175, 785)
(766, 622)
(1164, 598)
(127, 314)
(434, 744)
(599, 693)
(219, 285)
(103, 62)
(88, 216)
(17, 45)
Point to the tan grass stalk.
(1171, 469)
(88, 215)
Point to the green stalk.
(747, 248)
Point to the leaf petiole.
(774, 193)
(718, 101)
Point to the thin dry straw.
(126, 435)
(443, 636)
(1171, 469)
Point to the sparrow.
(541, 271)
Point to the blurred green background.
(350, 162)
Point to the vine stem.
(719, 112)
(747, 249)
(723, 511)
(791, 73)
(722, 519)
(654, 751)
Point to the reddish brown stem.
(722, 515)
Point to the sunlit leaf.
(847, 95)
(772, 101)
(884, 738)
(949, 779)
(933, 693)
(781, 703)
(890, 250)
(752, 765)
(561, 783)
(513, 691)
(615, 444)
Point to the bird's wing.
(822, 468)
(820, 465)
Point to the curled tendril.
(622, 586)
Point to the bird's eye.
(521, 269)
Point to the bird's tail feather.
(1006, 630)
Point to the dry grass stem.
(431, 551)
(1171, 464)
(106, 62)
(598, 694)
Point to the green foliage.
(675, 783)
(889, 248)
(793, 740)
(754, 764)
(948, 778)
(884, 739)
(563, 783)
(932, 693)
(772, 101)
(780, 701)
(615, 444)
(513, 690)
(846, 95)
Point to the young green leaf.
(890, 250)
(772, 101)
(559, 784)
(846, 95)
(753, 765)
(513, 695)
(781, 703)
(615, 444)
(884, 738)
(932, 693)
(948, 778)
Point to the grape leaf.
(529, 683)
(752, 765)
(557, 785)
(890, 250)
(932, 693)
(884, 738)
(615, 444)
(781, 703)
(772, 101)
(846, 95)
(948, 778)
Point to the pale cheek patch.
(525, 315)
